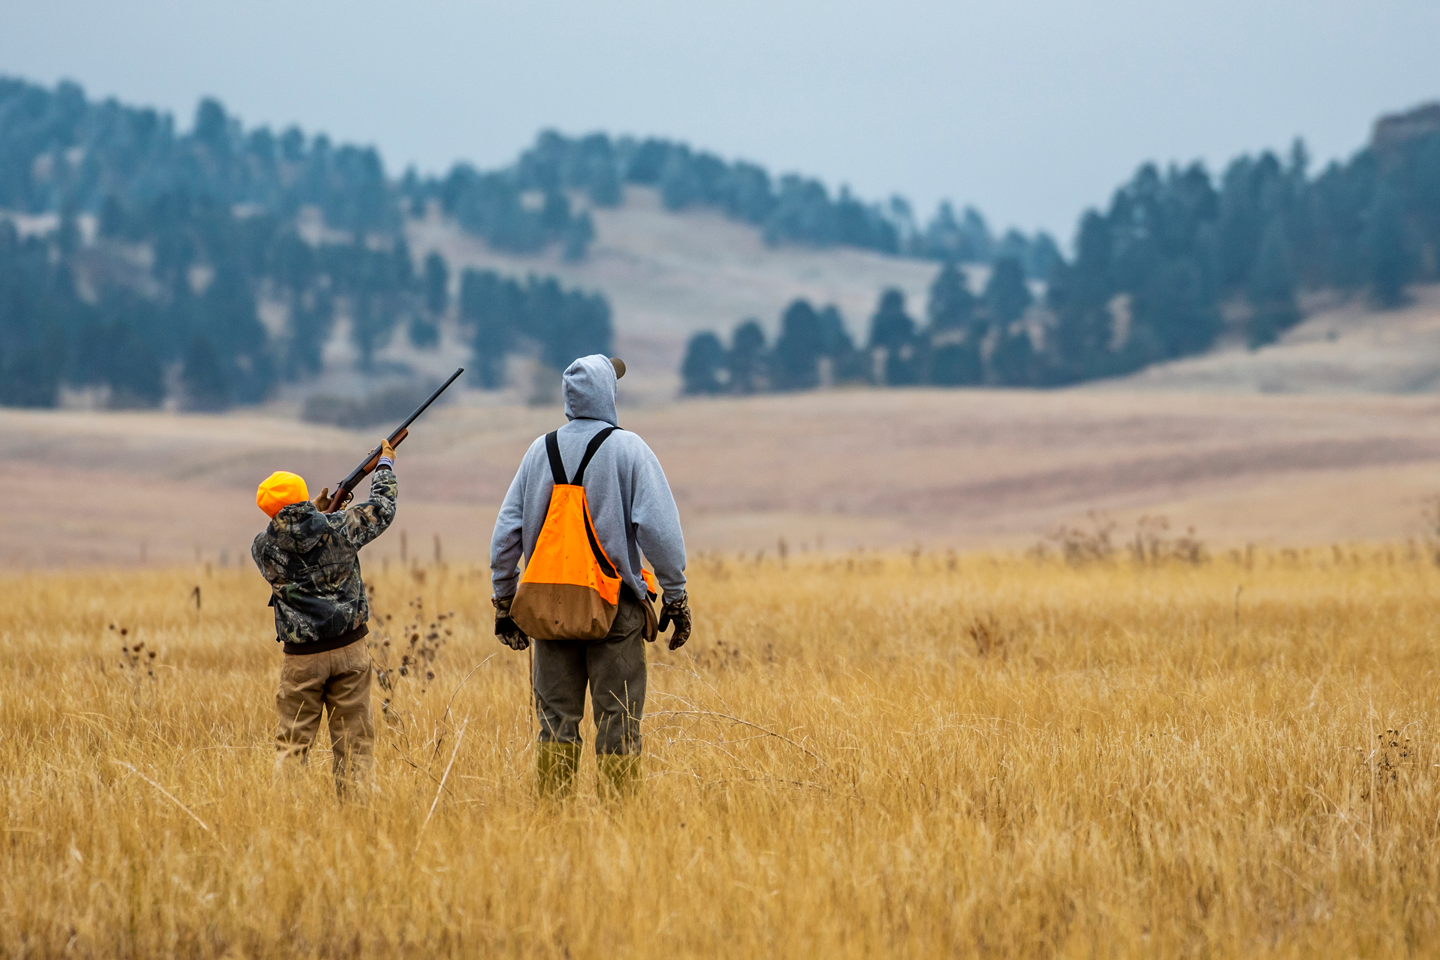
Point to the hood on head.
(589, 390)
(299, 527)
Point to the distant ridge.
(207, 267)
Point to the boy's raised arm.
(366, 521)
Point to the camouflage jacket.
(312, 562)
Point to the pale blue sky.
(1030, 110)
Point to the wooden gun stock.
(345, 489)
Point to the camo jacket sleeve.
(364, 522)
(269, 560)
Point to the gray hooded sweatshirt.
(630, 501)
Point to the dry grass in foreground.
(860, 755)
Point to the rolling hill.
(1342, 346)
(832, 470)
(670, 274)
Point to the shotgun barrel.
(346, 488)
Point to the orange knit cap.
(279, 490)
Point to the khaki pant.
(614, 670)
(337, 681)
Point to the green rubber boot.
(620, 775)
(555, 768)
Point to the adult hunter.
(588, 500)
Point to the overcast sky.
(1030, 110)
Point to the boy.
(311, 560)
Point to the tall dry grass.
(862, 755)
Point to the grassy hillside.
(1344, 346)
(669, 274)
(841, 469)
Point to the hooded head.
(589, 388)
(279, 490)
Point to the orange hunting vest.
(570, 589)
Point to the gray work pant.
(614, 669)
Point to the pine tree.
(952, 336)
(30, 369)
(703, 365)
(203, 378)
(67, 238)
(798, 348)
(892, 335)
(1079, 295)
(582, 328)
(835, 340)
(112, 218)
(212, 126)
(555, 213)
(423, 333)
(679, 185)
(951, 306)
(437, 284)
(401, 273)
(136, 379)
(577, 237)
(1272, 289)
(1012, 362)
(1007, 296)
(229, 320)
(371, 325)
(494, 309)
(1175, 311)
(747, 358)
(1387, 256)
(604, 187)
(312, 317)
(956, 364)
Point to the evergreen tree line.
(165, 302)
(492, 206)
(964, 339)
(789, 209)
(59, 150)
(504, 316)
(967, 239)
(1156, 275)
(1177, 258)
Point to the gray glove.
(679, 611)
(506, 629)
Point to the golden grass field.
(858, 754)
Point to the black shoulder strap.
(595, 442)
(557, 466)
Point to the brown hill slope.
(960, 468)
(671, 274)
(1343, 346)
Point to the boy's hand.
(386, 450)
(322, 500)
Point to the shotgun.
(345, 489)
